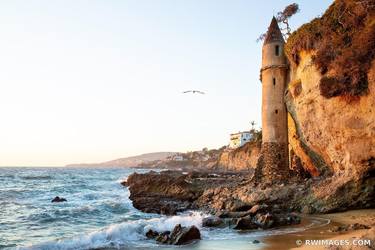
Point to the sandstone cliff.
(240, 159)
(331, 94)
(330, 135)
(331, 100)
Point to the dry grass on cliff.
(344, 42)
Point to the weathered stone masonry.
(274, 74)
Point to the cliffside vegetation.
(343, 40)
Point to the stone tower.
(274, 73)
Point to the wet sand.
(284, 238)
(297, 241)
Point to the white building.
(178, 158)
(239, 139)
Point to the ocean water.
(98, 214)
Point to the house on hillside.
(178, 158)
(239, 139)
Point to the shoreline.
(362, 216)
(251, 203)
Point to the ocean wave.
(36, 177)
(10, 176)
(122, 235)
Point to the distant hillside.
(132, 161)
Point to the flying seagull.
(193, 91)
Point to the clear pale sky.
(90, 80)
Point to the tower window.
(274, 81)
(276, 111)
(277, 50)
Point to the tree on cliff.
(283, 17)
(343, 41)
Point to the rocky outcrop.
(241, 159)
(169, 192)
(331, 143)
(165, 193)
(213, 221)
(179, 236)
(58, 199)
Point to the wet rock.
(58, 199)
(286, 219)
(212, 221)
(258, 208)
(226, 214)
(245, 223)
(152, 234)
(256, 241)
(293, 219)
(168, 210)
(355, 226)
(184, 235)
(124, 183)
(179, 236)
(264, 220)
(236, 205)
(162, 193)
(307, 210)
(163, 237)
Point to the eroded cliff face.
(330, 135)
(241, 159)
(333, 138)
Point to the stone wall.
(274, 163)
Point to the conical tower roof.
(273, 33)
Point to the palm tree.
(252, 125)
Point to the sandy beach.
(348, 238)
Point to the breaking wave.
(124, 235)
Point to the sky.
(91, 81)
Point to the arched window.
(274, 81)
(277, 50)
(276, 111)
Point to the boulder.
(245, 223)
(264, 220)
(212, 221)
(168, 209)
(258, 208)
(179, 236)
(286, 219)
(226, 214)
(184, 235)
(151, 234)
(236, 205)
(124, 183)
(58, 199)
(163, 193)
(163, 237)
(344, 228)
(357, 226)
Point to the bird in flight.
(193, 91)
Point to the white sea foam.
(121, 180)
(124, 234)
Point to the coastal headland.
(330, 100)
